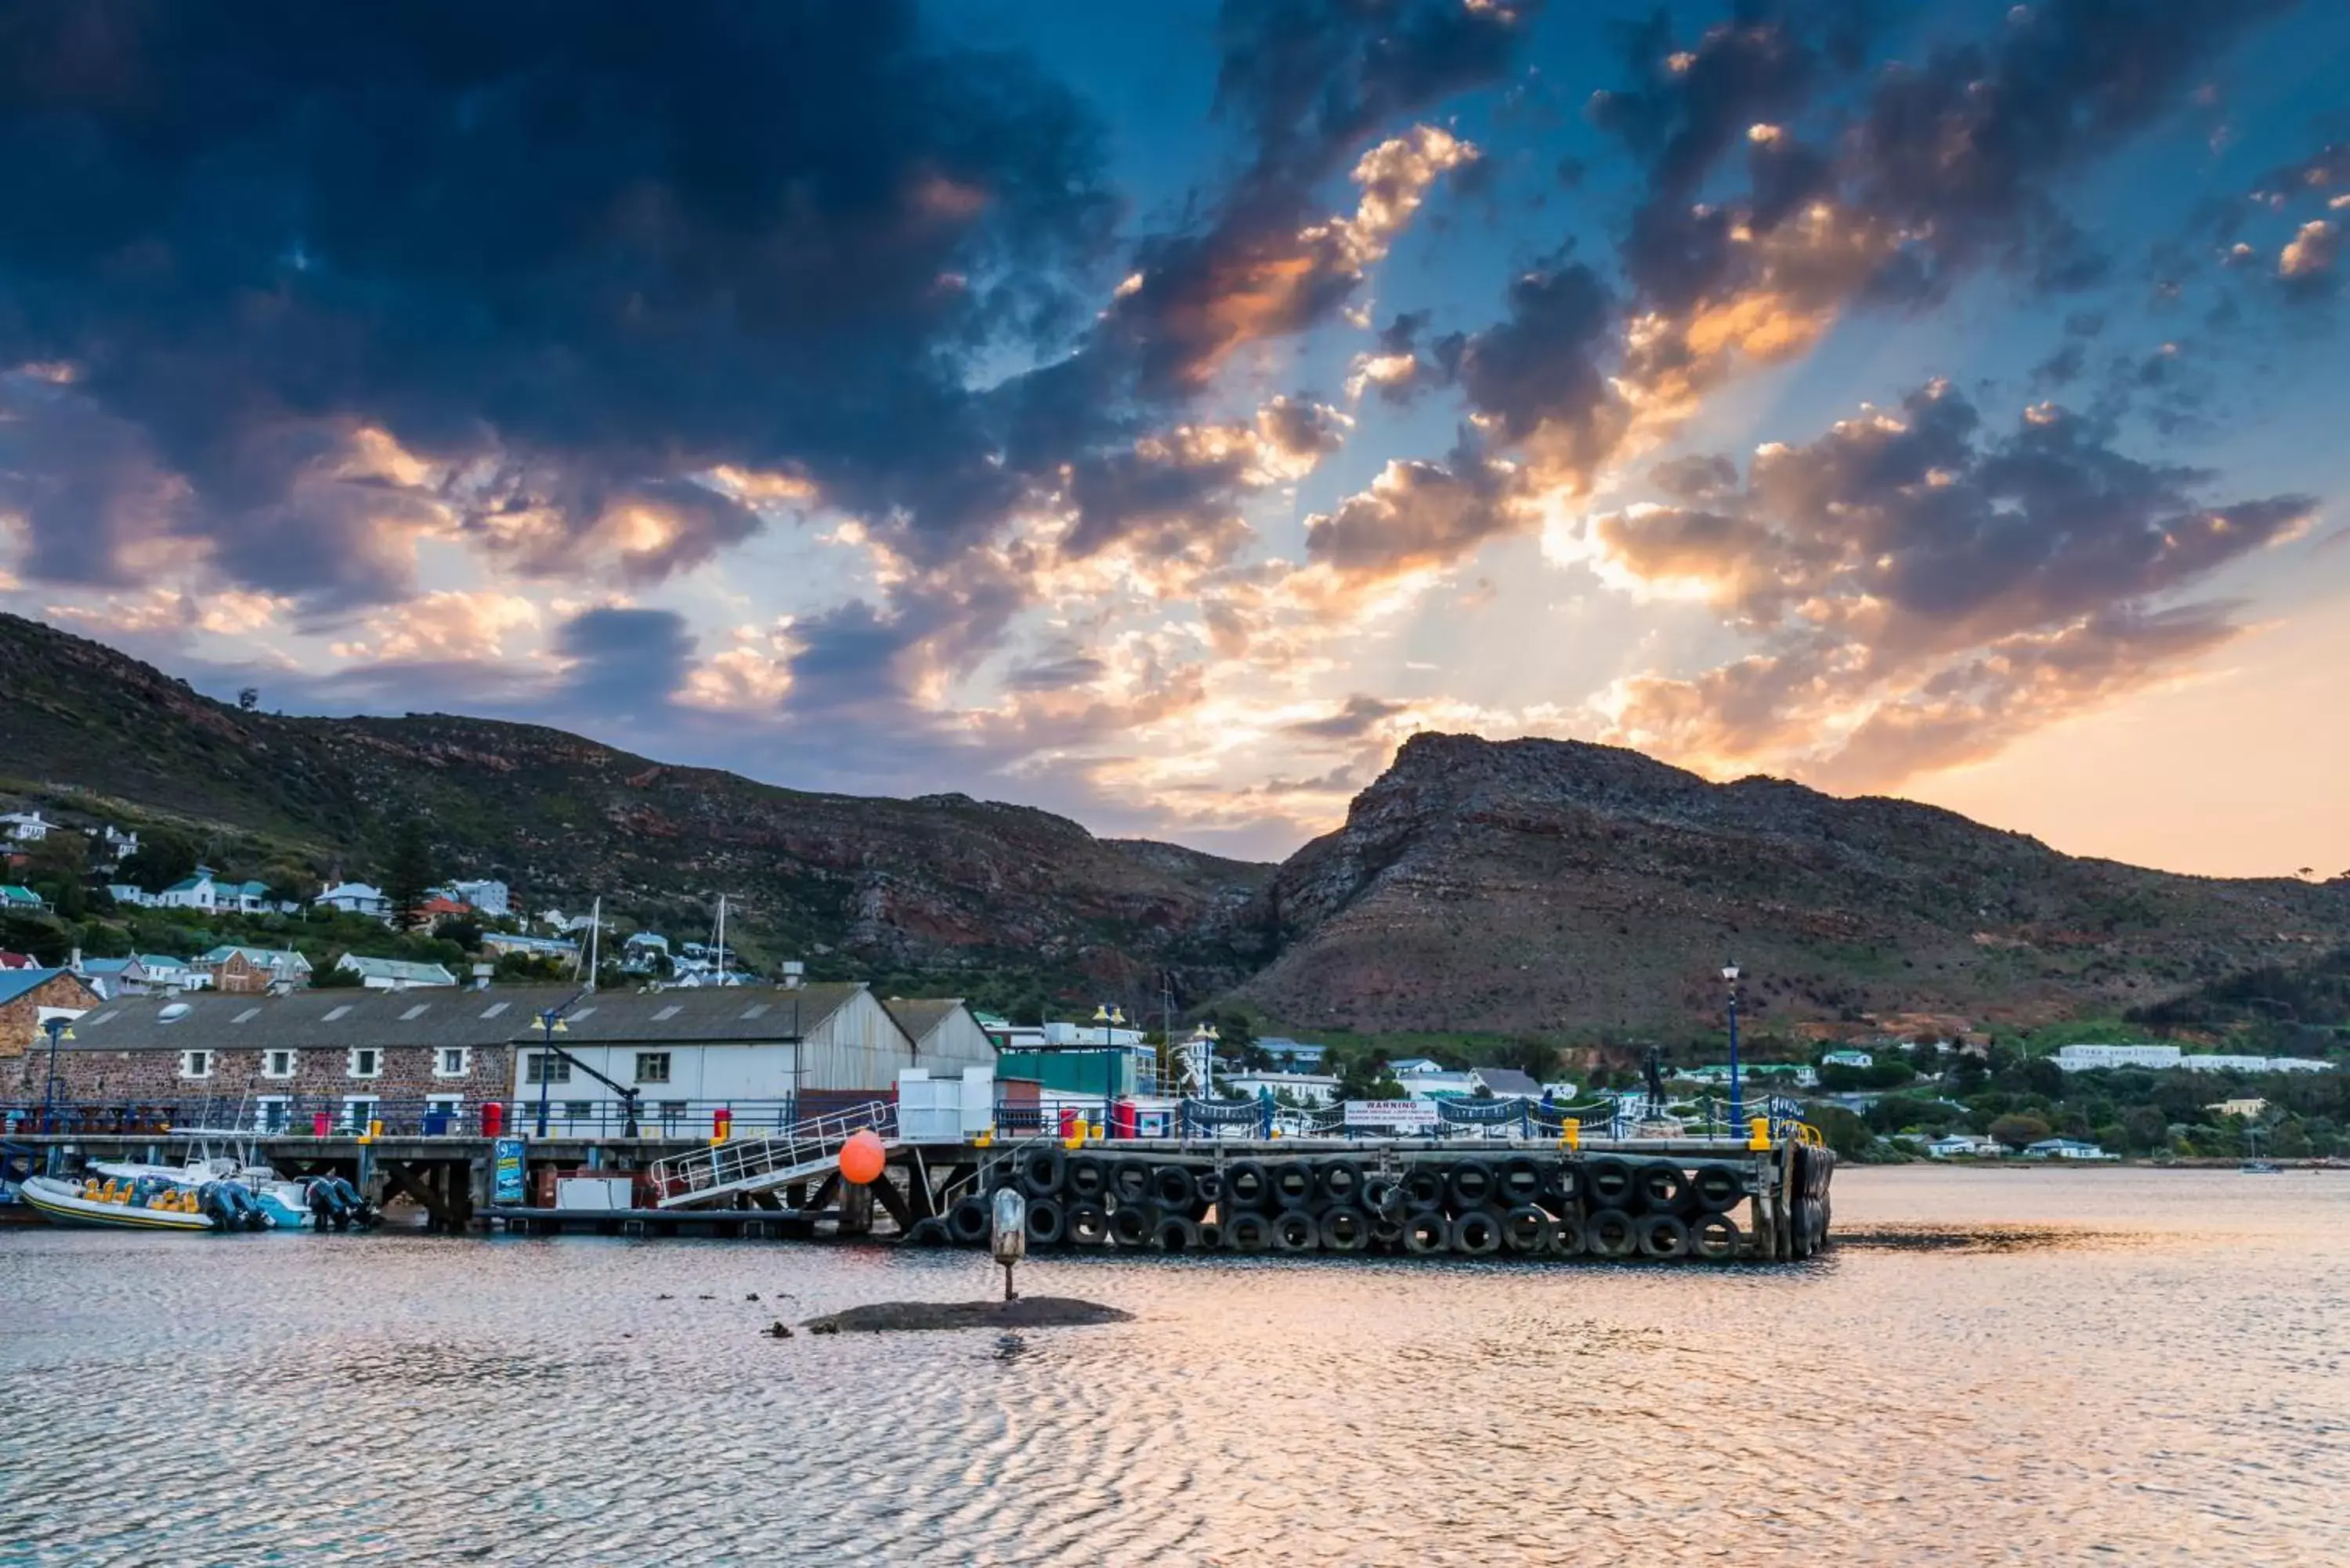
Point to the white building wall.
(957, 1043)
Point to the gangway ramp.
(715, 1176)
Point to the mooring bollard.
(1011, 1234)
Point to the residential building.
(25, 826)
(1964, 1146)
(147, 973)
(1315, 1089)
(1505, 1083)
(21, 900)
(1436, 1084)
(490, 898)
(2298, 1065)
(1847, 1058)
(9, 961)
(2091, 1058)
(356, 899)
(239, 970)
(1292, 1055)
(394, 974)
(1407, 1067)
(644, 952)
(130, 894)
(114, 844)
(2066, 1148)
(104, 975)
(2247, 1109)
(560, 947)
(440, 906)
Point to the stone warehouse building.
(27, 996)
(430, 1058)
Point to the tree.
(408, 874)
(162, 859)
(466, 932)
(2018, 1131)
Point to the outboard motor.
(362, 1214)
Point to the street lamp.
(56, 1029)
(1207, 1036)
(1737, 1099)
(550, 1023)
(1108, 1015)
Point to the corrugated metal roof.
(919, 1015)
(707, 1013)
(16, 982)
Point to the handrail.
(730, 1164)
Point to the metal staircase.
(713, 1176)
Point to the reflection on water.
(2176, 1395)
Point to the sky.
(1158, 413)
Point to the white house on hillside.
(490, 898)
(394, 974)
(25, 826)
(356, 898)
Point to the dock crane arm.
(629, 1096)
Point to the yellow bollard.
(1095, 1132)
(1570, 1133)
(1758, 1135)
(983, 1140)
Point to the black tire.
(1715, 1237)
(1048, 1222)
(969, 1222)
(1664, 1236)
(1292, 1182)
(1526, 1229)
(1717, 1187)
(1607, 1183)
(1477, 1232)
(1129, 1180)
(1132, 1224)
(1521, 1179)
(1086, 1179)
(1426, 1234)
(1248, 1232)
(928, 1233)
(1211, 1185)
(1471, 1184)
(1611, 1233)
(1383, 1196)
(1176, 1233)
(1423, 1188)
(1294, 1231)
(1041, 1171)
(1173, 1187)
(1344, 1229)
(1561, 1186)
(1662, 1185)
(1386, 1232)
(1211, 1236)
(1566, 1239)
(1087, 1224)
(1339, 1181)
(996, 1175)
(1246, 1186)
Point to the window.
(358, 1110)
(453, 1061)
(270, 1112)
(653, 1066)
(578, 1110)
(367, 1062)
(278, 1064)
(195, 1063)
(547, 1067)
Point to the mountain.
(1477, 887)
(870, 887)
(1550, 885)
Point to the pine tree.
(407, 876)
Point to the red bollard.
(493, 1118)
(722, 1124)
(319, 1124)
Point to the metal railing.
(737, 1161)
(295, 1115)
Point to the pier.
(1762, 1197)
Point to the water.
(2164, 1385)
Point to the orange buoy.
(861, 1157)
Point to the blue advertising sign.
(509, 1167)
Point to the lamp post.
(56, 1029)
(1737, 1099)
(550, 1023)
(1108, 1015)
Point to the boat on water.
(149, 1205)
(214, 1159)
(2260, 1168)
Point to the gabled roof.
(745, 1014)
(17, 982)
(919, 1017)
(1506, 1081)
(104, 966)
(406, 970)
(350, 890)
(19, 960)
(13, 894)
(315, 1019)
(190, 884)
(260, 958)
(160, 960)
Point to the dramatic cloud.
(1908, 569)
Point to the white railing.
(731, 1164)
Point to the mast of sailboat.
(595, 935)
(722, 939)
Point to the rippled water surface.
(2167, 1385)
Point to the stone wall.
(20, 1018)
(322, 1077)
